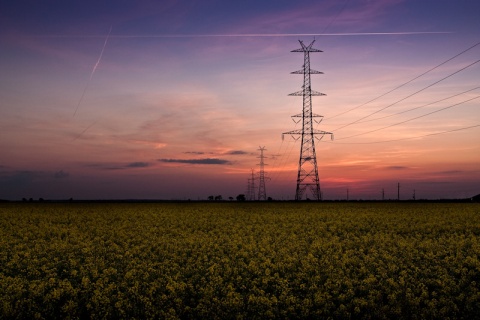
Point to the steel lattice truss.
(262, 191)
(307, 178)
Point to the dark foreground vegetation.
(240, 260)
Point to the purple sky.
(176, 101)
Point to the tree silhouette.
(241, 197)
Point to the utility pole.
(398, 191)
(262, 193)
(383, 194)
(413, 194)
(307, 176)
(347, 194)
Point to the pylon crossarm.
(306, 49)
(310, 46)
(320, 132)
(303, 72)
(298, 131)
(323, 135)
(298, 93)
(314, 115)
(306, 93)
(316, 93)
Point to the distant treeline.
(42, 200)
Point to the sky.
(172, 99)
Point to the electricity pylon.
(251, 187)
(262, 193)
(307, 177)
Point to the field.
(240, 260)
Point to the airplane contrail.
(246, 35)
(93, 71)
(273, 35)
(85, 130)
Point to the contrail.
(272, 35)
(246, 35)
(85, 130)
(93, 71)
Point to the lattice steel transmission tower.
(251, 187)
(307, 178)
(262, 193)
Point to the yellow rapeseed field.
(236, 260)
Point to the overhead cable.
(409, 96)
(403, 84)
(415, 108)
(409, 138)
(408, 120)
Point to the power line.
(408, 120)
(276, 155)
(409, 96)
(281, 157)
(403, 84)
(409, 138)
(282, 165)
(415, 108)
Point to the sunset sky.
(172, 99)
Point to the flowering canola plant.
(240, 260)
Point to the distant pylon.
(262, 193)
(307, 177)
(251, 187)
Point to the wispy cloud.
(197, 161)
(119, 166)
(452, 172)
(237, 152)
(231, 152)
(138, 165)
(396, 168)
(435, 182)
